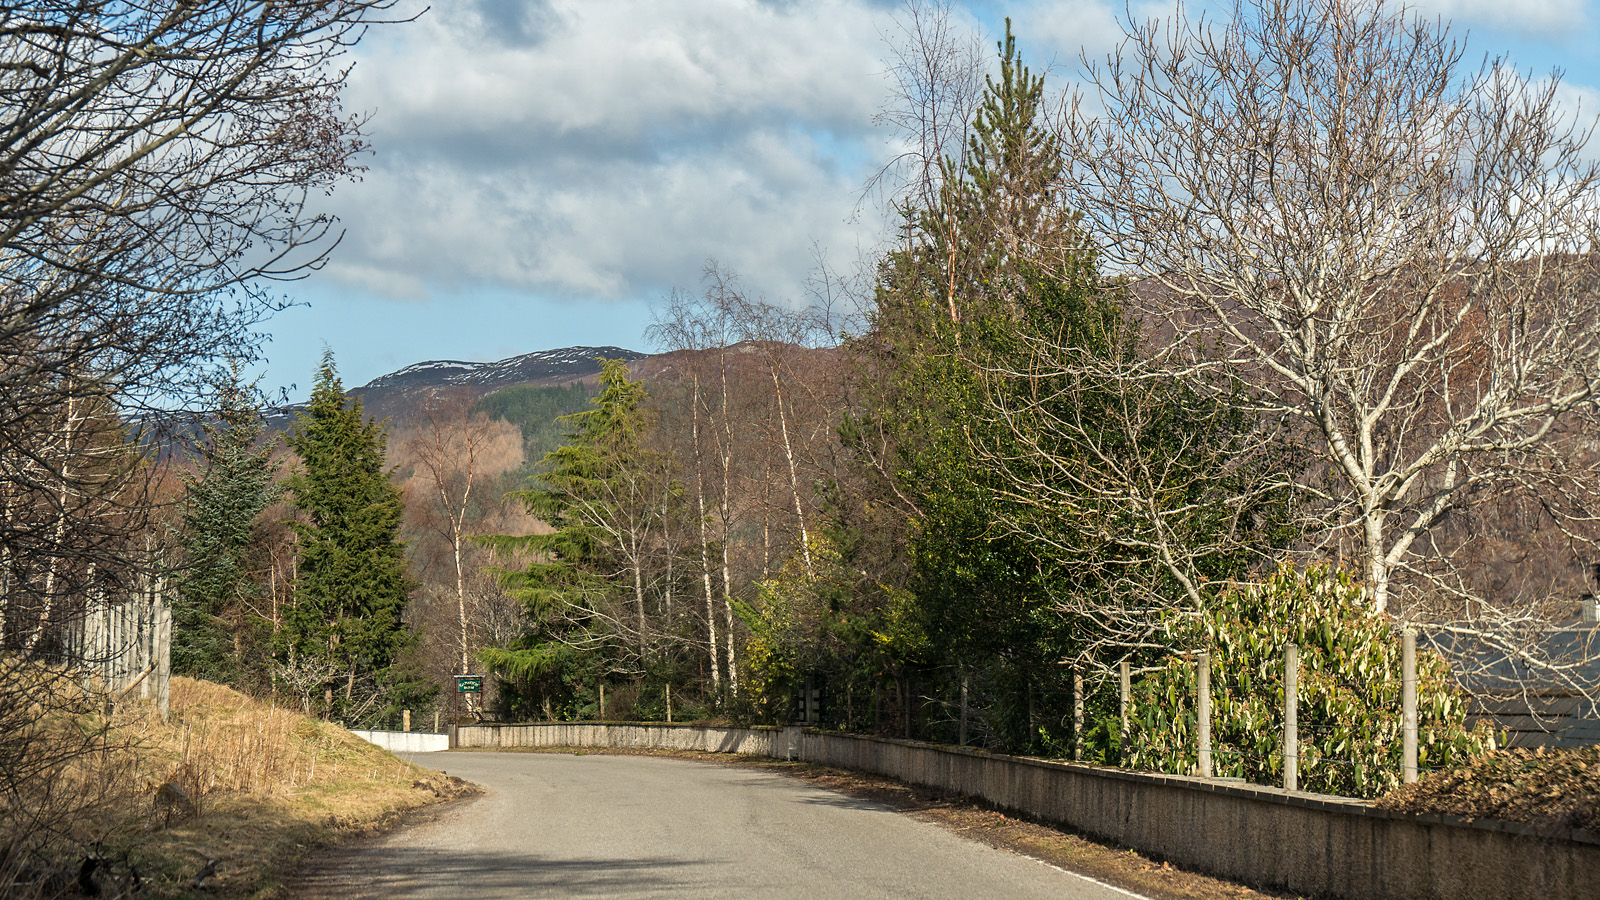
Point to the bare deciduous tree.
(453, 449)
(157, 159)
(155, 163)
(1392, 252)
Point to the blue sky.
(543, 171)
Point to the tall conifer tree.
(587, 596)
(345, 621)
(213, 618)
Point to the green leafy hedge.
(1349, 691)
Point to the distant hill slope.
(396, 395)
(566, 364)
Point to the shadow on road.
(399, 872)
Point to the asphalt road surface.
(555, 825)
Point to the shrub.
(1349, 726)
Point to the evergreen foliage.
(579, 588)
(214, 617)
(996, 270)
(1349, 691)
(538, 411)
(343, 634)
(994, 263)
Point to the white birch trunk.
(705, 541)
(48, 607)
(794, 479)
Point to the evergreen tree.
(588, 593)
(214, 619)
(343, 634)
(995, 261)
(974, 418)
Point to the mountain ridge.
(570, 362)
(395, 394)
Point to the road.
(556, 825)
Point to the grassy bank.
(218, 801)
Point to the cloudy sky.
(545, 170)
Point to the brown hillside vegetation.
(217, 801)
(1551, 790)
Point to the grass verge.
(221, 800)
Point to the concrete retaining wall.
(405, 741)
(1304, 843)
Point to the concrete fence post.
(1291, 717)
(963, 728)
(164, 657)
(1127, 691)
(1408, 705)
(1204, 665)
(145, 639)
(1077, 714)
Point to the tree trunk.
(705, 540)
(733, 665)
(50, 576)
(638, 599)
(794, 478)
(1377, 566)
(461, 594)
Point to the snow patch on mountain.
(517, 369)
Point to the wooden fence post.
(1127, 691)
(962, 737)
(1077, 714)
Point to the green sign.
(469, 684)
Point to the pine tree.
(213, 619)
(343, 633)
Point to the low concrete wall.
(779, 743)
(405, 741)
(1304, 843)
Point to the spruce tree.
(213, 618)
(343, 633)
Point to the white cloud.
(600, 148)
(1067, 29)
(1528, 18)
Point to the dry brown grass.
(225, 778)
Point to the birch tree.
(1392, 253)
(454, 449)
(684, 328)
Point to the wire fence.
(1298, 752)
